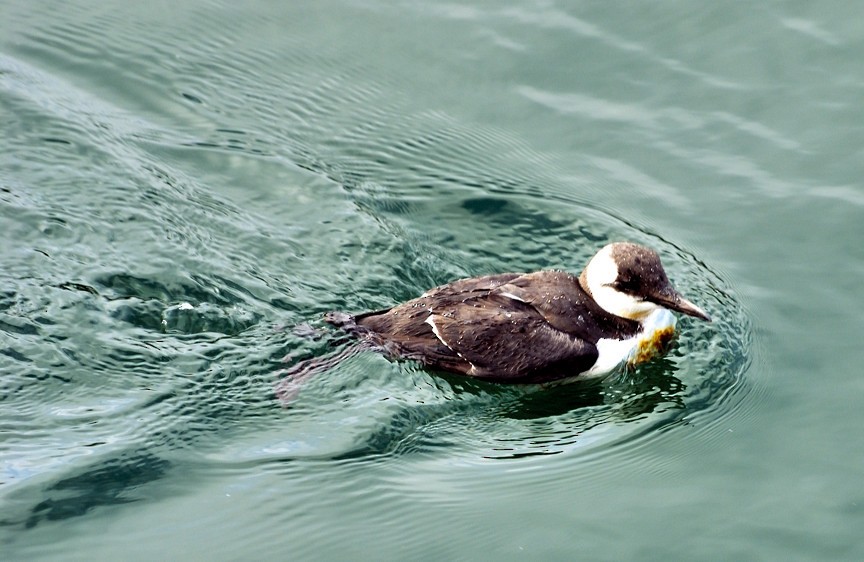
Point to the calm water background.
(187, 186)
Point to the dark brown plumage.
(533, 327)
(510, 327)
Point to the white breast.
(615, 352)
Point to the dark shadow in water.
(114, 480)
(411, 430)
(507, 213)
(193, 289)
(110, 483)
(182, 305)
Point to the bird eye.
(628, 289)
(622, 286)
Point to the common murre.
(535, 327)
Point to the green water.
(186, 187)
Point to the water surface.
(186, 188)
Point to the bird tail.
(294, 377)
(342, 320)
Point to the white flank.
(615, 352)
(612, 353)
(431, 321)
(512, 296)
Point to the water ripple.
(178, 244)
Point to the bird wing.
(561, 301)
(508, 341)
(473, 286)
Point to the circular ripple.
(168, 242)
(695, 385)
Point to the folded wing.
(507, 341)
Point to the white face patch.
(600, 275)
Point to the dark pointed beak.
(672, 300)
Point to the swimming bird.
(535, 327)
